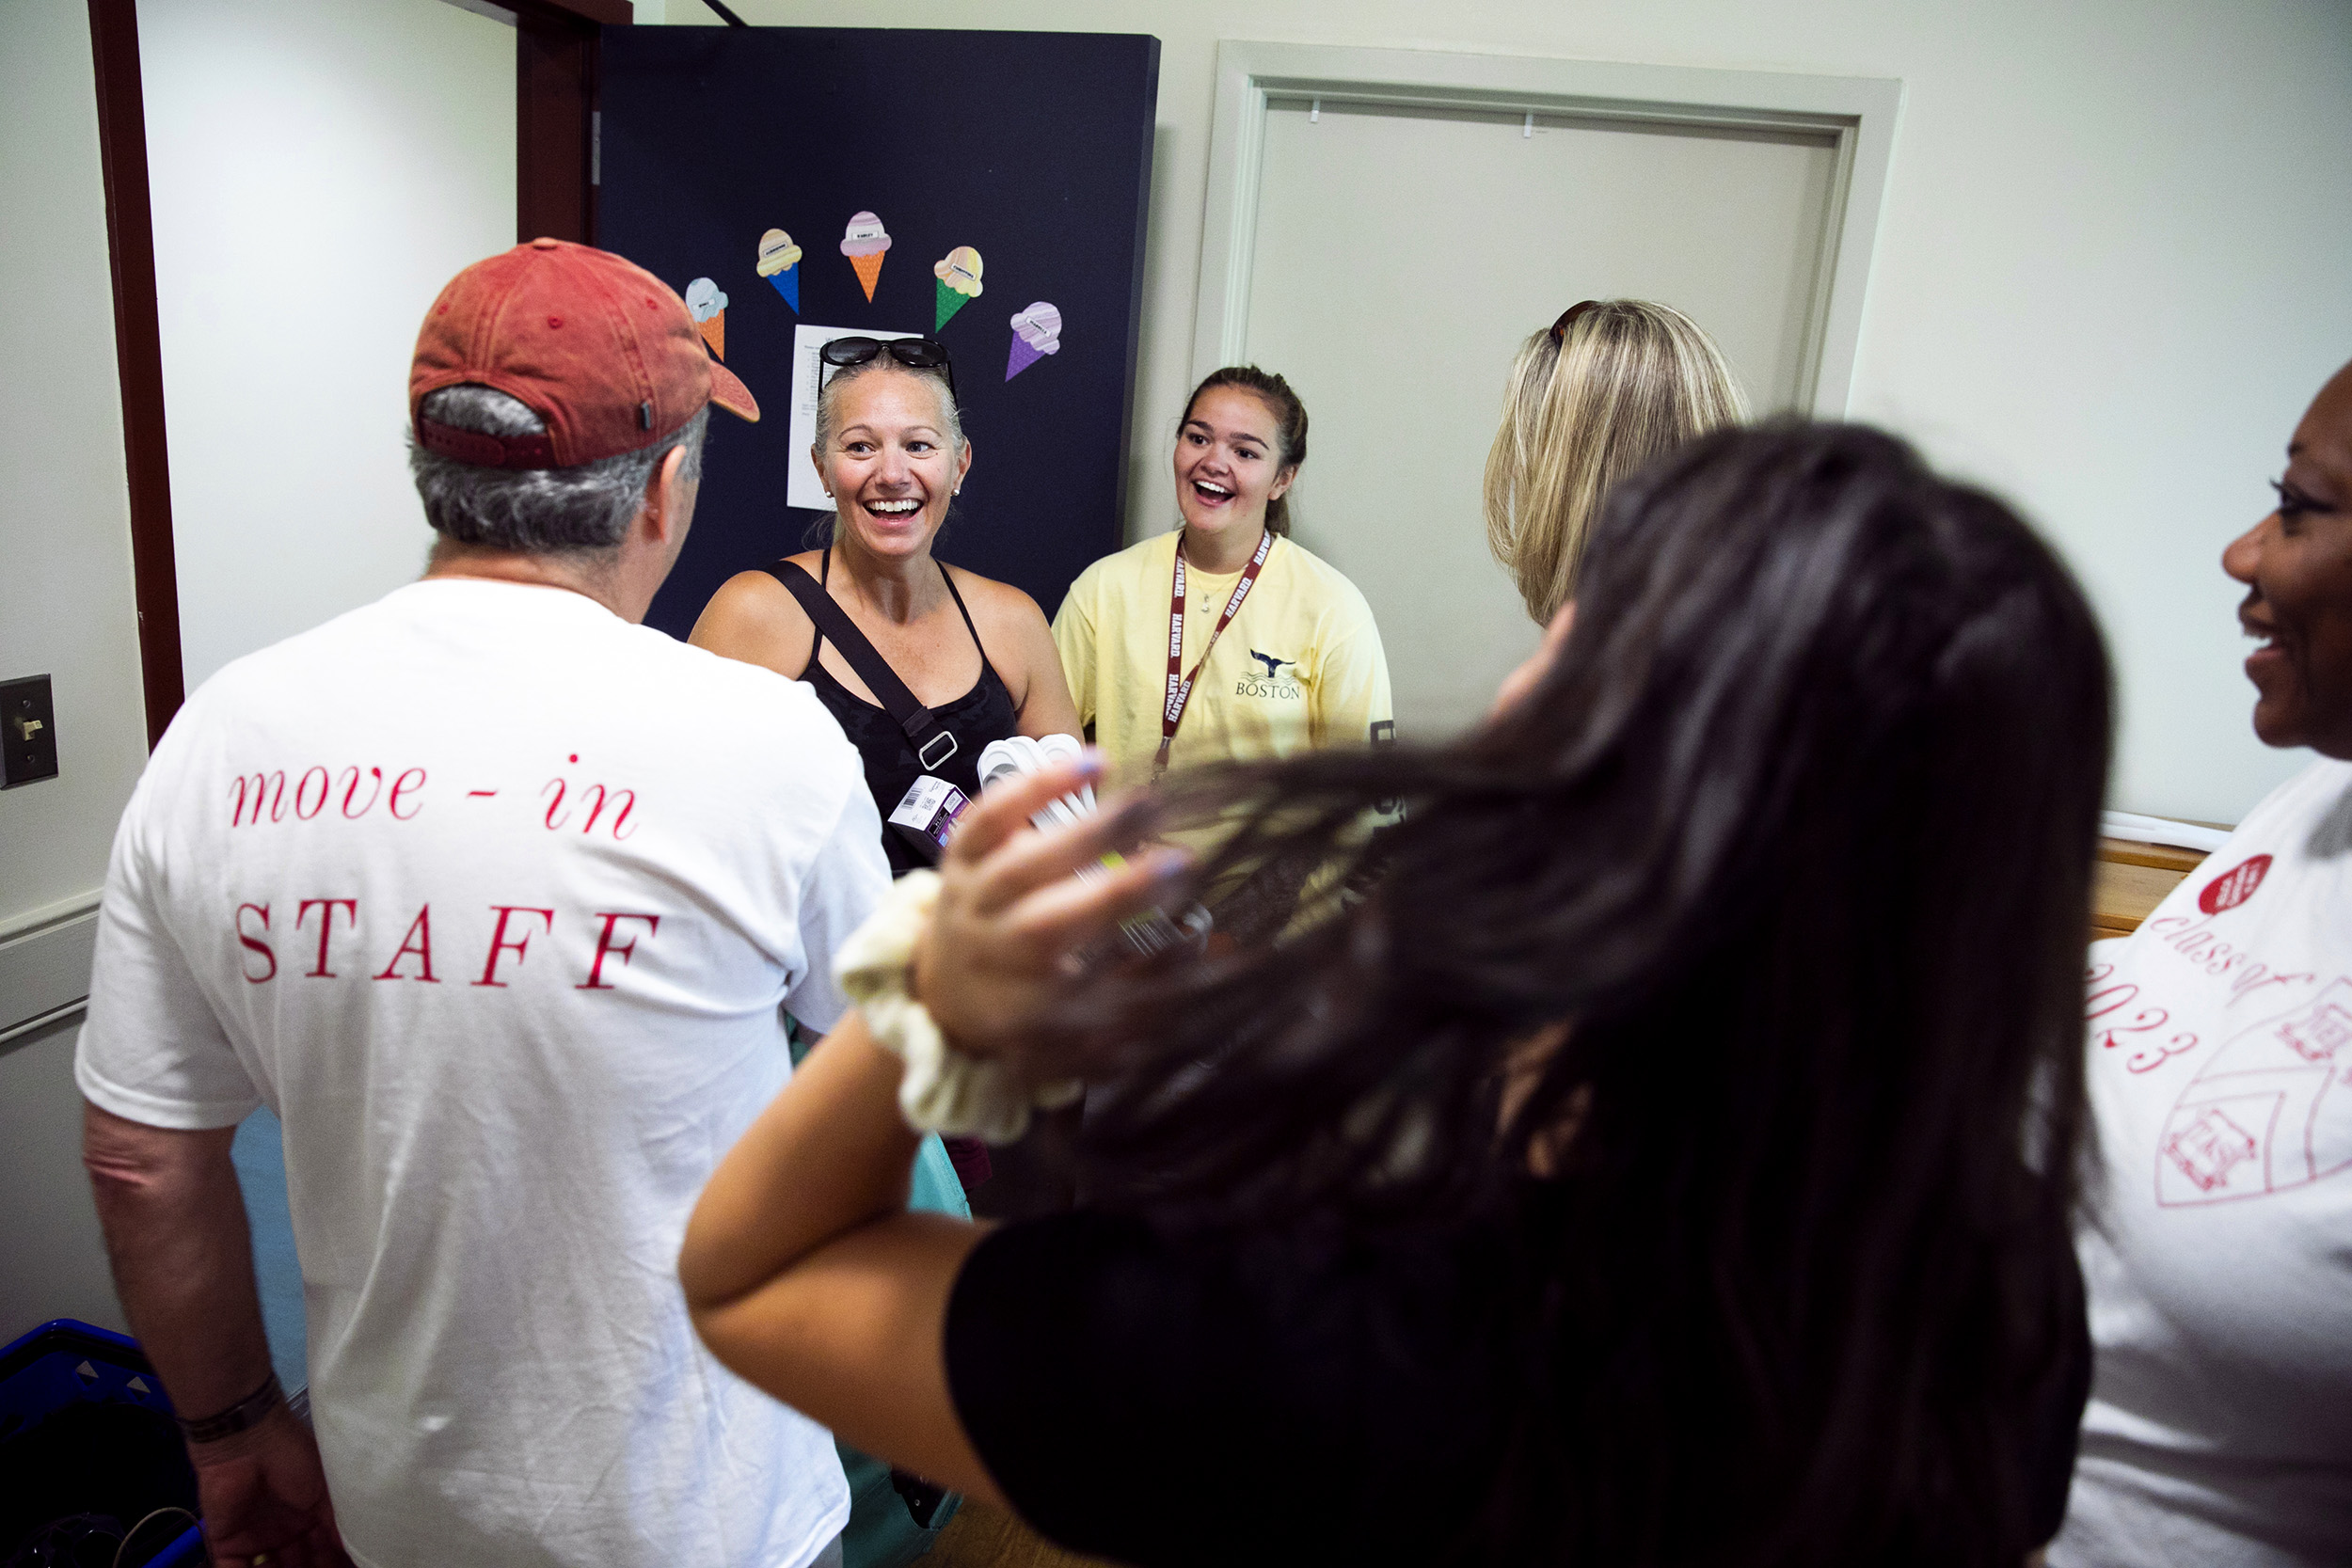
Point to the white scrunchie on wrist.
(943, 1090)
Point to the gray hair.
(535, 510)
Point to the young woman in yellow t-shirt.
(1163, 673)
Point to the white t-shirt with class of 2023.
(495, 898)
(2218, 1250)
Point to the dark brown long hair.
(1795, 835)
(1290, 426)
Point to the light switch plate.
(28, 732)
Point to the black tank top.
(983, 714)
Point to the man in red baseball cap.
(498, 899)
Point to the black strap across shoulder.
(949, 579)
(932, 742)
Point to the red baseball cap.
(599, 348)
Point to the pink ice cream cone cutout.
(863, 243)
(708, 307)
(1035, 333)
(780, 264)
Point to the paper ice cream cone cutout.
(780, 265)
(707, 305)
(1035, 333)
(958, 275)
(863, 242)
(869, 273)
(948, 302)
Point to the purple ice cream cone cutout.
(1035, 333)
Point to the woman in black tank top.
(891, 451)
(983, 714)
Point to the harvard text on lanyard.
(1178, 684)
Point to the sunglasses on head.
(921, 353)
(1567, 319)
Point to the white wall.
(321, 168)
(66, 605)
(2111, 272)
(67, 612)
(55, 1257)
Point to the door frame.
(556, 71)
(1859, 111)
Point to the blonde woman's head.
(1610, 387)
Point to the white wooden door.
(319, 168)
(1401, 254)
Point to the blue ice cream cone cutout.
(780, 265)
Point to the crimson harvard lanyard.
(1178, 684)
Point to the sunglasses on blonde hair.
(921, 353)
(1567, 319)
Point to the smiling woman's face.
(891, 468)
(2296, 564)
(1228, 462)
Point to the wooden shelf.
(2130, 880)
(2164, 857)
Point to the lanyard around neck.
(1178, 684)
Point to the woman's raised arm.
(802, 1268)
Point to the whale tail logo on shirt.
(1273, 665)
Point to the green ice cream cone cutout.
(958, 275)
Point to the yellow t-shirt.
(1300, 667)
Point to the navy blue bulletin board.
(1033, 148)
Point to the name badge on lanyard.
(927, 814)
(1180, 685)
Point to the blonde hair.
(1626, 382)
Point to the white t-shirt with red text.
(495, 898)
(2218, 1250)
